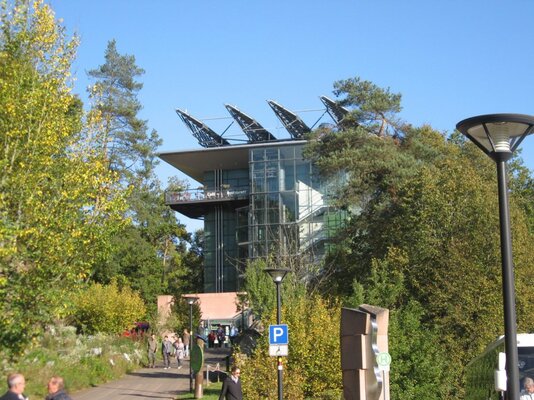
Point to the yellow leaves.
(45, 24)
(10, 109)
(58, 203)
(313, 365)
(108, 308)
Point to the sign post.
(383, 360)
(277, 336)
(278, 347)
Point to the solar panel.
(205, 135)
(254, 131)
(336, 111)
(291, 121)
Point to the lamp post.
(499, 135)
(190, 300)
(278, 275)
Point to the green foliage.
(151, 254)
(130, 150)
(179, 319)
(523, 188)
(418, 366)
(424, 230)
(83, 361)
(312, 369)
(260, 289)
(384, 286)
(67, 179)
(57, 202)
(372, 106)
(108, 308)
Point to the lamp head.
(191, 299)
(497, 135)
(278, 274)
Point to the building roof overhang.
(194, 163)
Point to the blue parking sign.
(278, 335)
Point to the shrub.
(107, 309)
(313, 366)
(61, 352)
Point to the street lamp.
(191, 300)
(278, 275)
(499, 135)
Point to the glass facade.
(287, 204)
(270, 203)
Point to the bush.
(107, 309)
(313, 367)
(83, 361)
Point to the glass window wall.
(284, 201)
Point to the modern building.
(257, 199)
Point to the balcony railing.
(192, 195)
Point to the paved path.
(156, 383)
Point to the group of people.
(178, 347)
(171, 347)
(217, 338)
(16, 384)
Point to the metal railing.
(192, 195)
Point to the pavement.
(154, 383)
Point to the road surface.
(152, 383)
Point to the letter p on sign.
(278, 334)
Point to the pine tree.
(130, 149)
(151, 253)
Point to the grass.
(211, 392)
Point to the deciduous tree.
(57, 203)
(433, 200)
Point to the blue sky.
(449, 59)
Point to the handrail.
(192, 195)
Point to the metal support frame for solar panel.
(291, 121)
(205, 135)
(336, 111)
(254, 131)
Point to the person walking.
(231, 388)
(187, 342)
(233, 334)
(221, 336)
(179, 351)
(15, 388)
(166, 349)
(211, 339)
(152, 347)
(56, 389)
